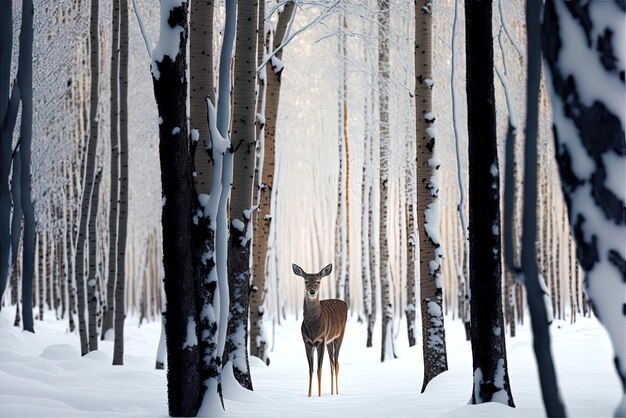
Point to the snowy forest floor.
(43, 375)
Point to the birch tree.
(263, 215)
(588, 114)
(491, 380)
(109, 311)
(342, 223)
(243, 146)
(92, 275)
(431, 252)
(387, 348)
(120, 280)
(90, 175)
(201, 85)
(21, 93)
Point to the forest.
(205, 202)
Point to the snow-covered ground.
(43, 375)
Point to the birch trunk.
(240, 234)
(120, 281)
(431, 252)
(387, 349)
(92, 276)
(263, 215)
(89, 173)
(201, 86)
(109, 311)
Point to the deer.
(324, 324)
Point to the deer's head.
(312, 281)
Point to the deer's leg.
(320, 361)
(337, 344)
(331, 357)
(309, 356)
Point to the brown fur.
(323, 325)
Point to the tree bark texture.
(120, 281)
(170, 91)
(384, 87)
(92, 276)
(491, 381)
(109, 311)
(202, 85)
(263, 215)
(244, 146)
(89, 178)
(431, 252)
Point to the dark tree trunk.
(120, 281)
(8, 113)
(491, 381)
(170, 91)
(109, 305)
(92, 277)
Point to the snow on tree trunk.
(170, 91)
(258, 291)
(120, 281)
(431, 252)
(240, 234)
(588, 114)
(387, 351)
(491, 381)
(534, 282)
(213, 254)
(263, 215)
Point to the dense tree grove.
(178, 181)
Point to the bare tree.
(109, 305)
(491, 380)
(120, 281)
(170, 91)
(263, 215)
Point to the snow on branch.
(516, 44)
(146, 37)
(290, 36)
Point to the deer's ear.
(297, 270)
(326, 270)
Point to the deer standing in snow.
(324, 324)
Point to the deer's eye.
(317, 281)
